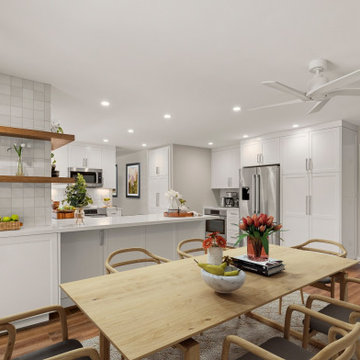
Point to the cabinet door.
(325, 150)
(108, 161)
(218, 170)
(93, 156)
(294, 209)
(158, 202)
(325, 207)
(62, 161)
(293, 153)
(77, 156)
(250, 153)
(270, 152)
(233, 178)
(159, 161)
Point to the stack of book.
(266, 268)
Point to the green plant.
(76, 195)
(53, 163)
(18, 149)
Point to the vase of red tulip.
(214, 246)
(257, 229)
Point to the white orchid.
(172, 194)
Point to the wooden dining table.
(144, 310)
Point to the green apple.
(6, 219)
(15, 217)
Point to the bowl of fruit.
(222, 278)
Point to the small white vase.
(215, 255)
(173, 203)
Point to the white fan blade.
(287, 89)
(318, 106)
(335, 84)
(345, 92)
(297, 101)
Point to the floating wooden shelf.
(57, 140)
(35, 179)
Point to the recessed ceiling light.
(131, 131)
(106, 140)
(105, 103)
(245, 136)
(237, 108)
(295, 125)
(167, 116)
(144, 145)
(210, 143)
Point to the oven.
(217, 224)
(93, 177)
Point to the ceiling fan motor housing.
(317, 65)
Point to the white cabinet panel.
(108, 162)
(160, 240)
(294, 209)
(94, 157)
(325, 150)
(157, 199)
(29, 268)
(294, 150)
(62, 161)
(270, 152)
(250, 152)
(77, 156)
(159, 161)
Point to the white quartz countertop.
(68, 225)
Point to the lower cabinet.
(29, 268)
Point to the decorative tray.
(178, 214)
(10, 225)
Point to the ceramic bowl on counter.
(224, 284)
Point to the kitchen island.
(35, 260)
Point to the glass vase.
(20, 167)
(79, 216)
(255, 250)
(215, 255)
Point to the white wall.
(25, 104)
(192, 176)
(132, 206)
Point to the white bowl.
(224, 284)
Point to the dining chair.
(150, 257)
(281, 348)
(57, 349)
(327, 283)
(78, 354)
(187, 253)
(338, 309)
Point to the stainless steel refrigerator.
(260, 193)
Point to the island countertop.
(68, 225)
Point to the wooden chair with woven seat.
(84, 353)
(278, 348)
(58, 349)
(150, 257)
(338, 309)
(187, 253)
(328, 283)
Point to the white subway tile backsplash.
(5, 79)
(16, 111)
(4, 109)
(15, 81)
(29, 203)
(5, 191)
(39, 115)
(4, 120)
(38, 95)
(16, 91)
(39, 86)
(28, 94)
(16, 101)
(4, 99)
(16, 121)
(40, 221)
(28, 84)
(47, 92)
(5, 89)
(27, 103)
(39, 105)
(17, 202)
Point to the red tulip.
(277, 227)
(256, 223)
(243, 226)
(262, 228)
(261, 220)
(249, 220)
(269, 221)
(244, 221)
(254, 217)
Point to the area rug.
(249, 329)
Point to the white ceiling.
(195, 59)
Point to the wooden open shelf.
(57, 140)
(35, 179)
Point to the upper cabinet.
(85, 156)
(225, 165)
(264, 152)
(159, 161)
(108, 164)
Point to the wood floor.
(81, 328)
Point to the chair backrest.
(186, 253)
(150, 257)
(342, 349)
(342, 251)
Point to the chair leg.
(302, 296)
(280, 305)
(332, 289)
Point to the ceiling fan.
(320, 89)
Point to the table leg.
(104, 347)
(340, 277)
(190, 349)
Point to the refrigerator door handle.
(253, 195)
(257, 194)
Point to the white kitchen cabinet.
(85, 156)
(270, 152)
(108, 164)
(262, 152)
(157, 201)
(61, 156)
(225, 164)
(159, 161)
(294, 153)
(29, 268)
(82, 257)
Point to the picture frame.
(115, 192)
(133, 180)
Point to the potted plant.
(54, 172)
(19, 149)
(257, 229)
(76, 195)
(214, 245)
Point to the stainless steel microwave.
(93, 177)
